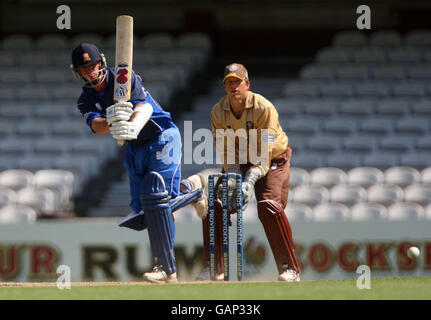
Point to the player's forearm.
(100, 126)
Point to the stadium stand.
(357, 117)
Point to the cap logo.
(233, 67)
(86, 57)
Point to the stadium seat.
(385, 194)
(337, 89)
(352, 72)
(369, 55)
(40, 199)
(298, 212)
(381, 160)
(418, 193)
(421, 107)
(7, 196)
(17, 42)
(317, 72)
(30, 163)
(358, 108)
(305, 161)
(61, 181)
(52, 76)
(404, 55)
(320, 109)
(32, 128)
(304, 126)
(324, 143)
(52, 41)
(418, 159)
(412, 126)
(8, 94)
(35, 92)
(426, 175)
(348, 194)
(288, 107)
(298, 176)
(310, 195)
(87, 37)
(328, 177)
(17, 75)
(392, 108)
(350, 38)
(388, 72)
(406, 212)
(409, 89)
(396, 143)
(195, 40)
(374, 90)
(67, 128)
(7, 60)
(340, 126)
(7, 162)
(33, 59)
(402, 176)
(365, 176)
(16, 111)
(428, 212)
(419, 73)
(17, 214)
(418, 38)
(359, 144)
(367, 211)
(50, 146)
(158, 40)
(344, 160)
(334, 55)
(299, 89)
(16, 179)
(330, 212)
(385, 38)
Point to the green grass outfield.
(393, 288)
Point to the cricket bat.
(123, 60)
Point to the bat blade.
(123, 60)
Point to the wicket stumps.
(225, 229)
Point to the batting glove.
(121, 111)
(123, 130)
(250, 179)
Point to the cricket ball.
(413, 252)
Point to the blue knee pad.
(160, 225)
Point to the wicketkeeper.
(153, 153)
(249, 112)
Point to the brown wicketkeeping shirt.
(256, 137)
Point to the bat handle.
(120, 143)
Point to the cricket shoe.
(158, 275)
(205, 275)
(289, 276)
(197, 181)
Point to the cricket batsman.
(153, 154)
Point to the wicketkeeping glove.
(121, 111)
(231, 182)
(250, 179)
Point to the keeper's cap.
(235, 70)
(84, 54)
